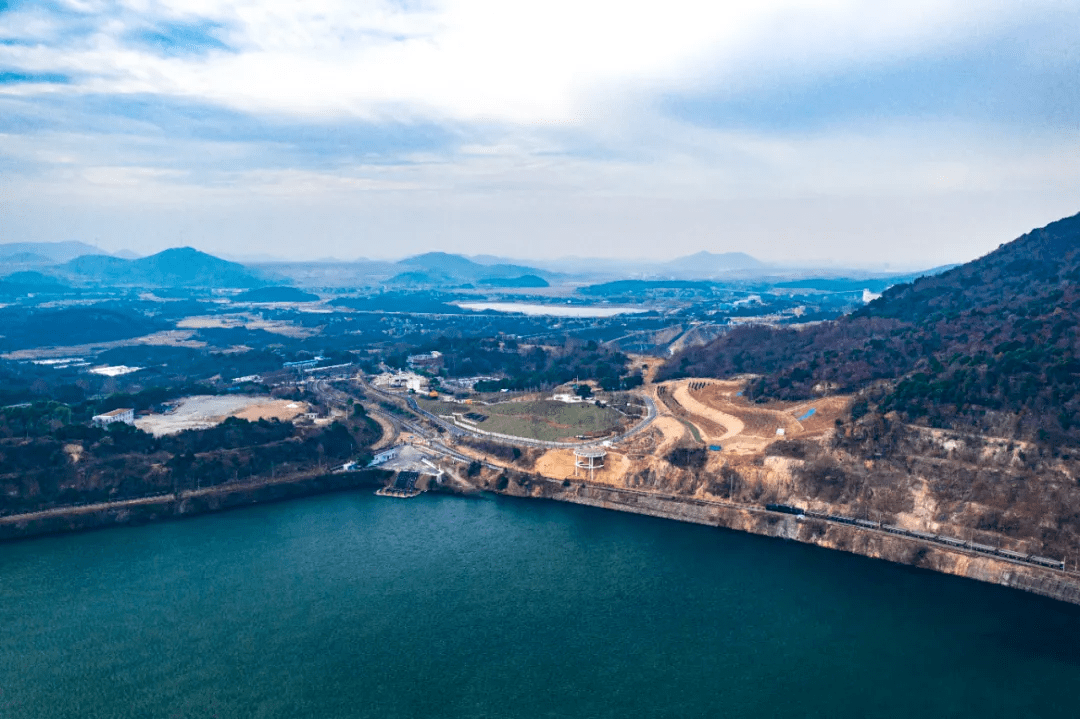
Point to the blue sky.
(826, 131)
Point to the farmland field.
(546, 420)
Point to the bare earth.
(204, 411)
(721, 416)
(167, 338)
(732, 425)
(246, 321)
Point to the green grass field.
(545, 420)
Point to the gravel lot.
(202, 411)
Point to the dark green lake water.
(351, 605)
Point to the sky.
(852, 132)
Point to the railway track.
(952, 542)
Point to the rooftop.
(115, 412)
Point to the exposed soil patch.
(203, 411)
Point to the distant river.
(549, 310)
(351, 605)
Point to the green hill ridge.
(992, 346)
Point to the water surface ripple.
(351, 605)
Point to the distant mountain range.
(43, 253)
(179, 267)
(533, 281)
(82, 264)
(442, 268)
(711, 264)
(46, 266)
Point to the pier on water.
(404, 486)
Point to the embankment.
(879, 545)
(212, 499)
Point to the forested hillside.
(49, 457)
(21, 329)
(991, 345)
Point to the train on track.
(925, 536)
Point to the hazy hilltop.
(992, 345)
(44, 253)
(710, 264)
(442, 268)
(31, 282)
(178, 267)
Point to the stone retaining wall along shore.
(1063, 586)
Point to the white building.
(127, 416)
(384, 456)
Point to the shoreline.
(1061, 586)
(144, 510)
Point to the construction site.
(203, 411)
(707, 453)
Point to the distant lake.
(351, 606)
(550, 310)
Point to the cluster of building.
(247, 378)
(73, 362)
(62, 363)
(114, 370)
(466, 383)
(401, 380)
(302, 364)
(427, 361)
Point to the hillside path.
(731, 423)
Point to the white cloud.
(541, 63)
(561, 147)
(697, 164)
